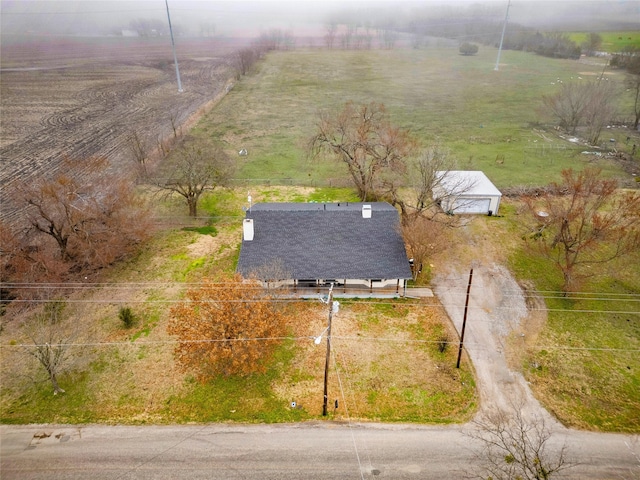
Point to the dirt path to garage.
(501, 319)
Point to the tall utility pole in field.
(173, 46)
(504, 28)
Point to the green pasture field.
(458, 101)
(611, 41)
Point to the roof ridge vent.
(366, 211)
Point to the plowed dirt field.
(80, 97)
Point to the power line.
(544, 294)
(301, 300)
(473, 345)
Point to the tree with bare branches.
(513, 447)
(139, 151)
(424, 238)
(600, 109)
(331, 29)
(93, 216)
(363, 138)
(632, 82)
(568, 105)
(228, 328)
(271, 273)
(588, 103)
(51, 338)
(196, 169)
(245, 59)
(586, 222)
(419, 191)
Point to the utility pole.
(326, 363)
(173, 46)
(464, 319)
(504, 28)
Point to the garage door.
(475, 205)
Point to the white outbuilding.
(466, 191)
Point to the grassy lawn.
(585, 366)
(129, 375)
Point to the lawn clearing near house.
(386, 365)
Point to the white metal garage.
(462, 191)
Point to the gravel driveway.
(497, 310)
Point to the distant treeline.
(488, 32)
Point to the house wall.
(342, 283)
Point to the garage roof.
(467, 183)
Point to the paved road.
(301, 451)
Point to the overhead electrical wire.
(544, 294)
(467, 344)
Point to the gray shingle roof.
(326, 241)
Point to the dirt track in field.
(78, 98)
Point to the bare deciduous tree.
(51, 338)
(513, 447)
(420, 190)
(583, 103)
(600, 109)
(271, 273)
(138, 149)
(424, 238)
(330, 37)
(173, 118)
(226, 329)
(632, 82)
(93, 216)
(245, 60)
(589, 222)
(592, 44)
(568, 105)
(197, 169)
(389, 38)
(364, 139)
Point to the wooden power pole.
(464, 318)
(326, 363)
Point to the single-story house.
(462, 191)
(352, 245)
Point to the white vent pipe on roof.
(247, 229)
(366, 211)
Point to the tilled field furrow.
(68, 99)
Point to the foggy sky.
(250, 17)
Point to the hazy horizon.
(251, 17)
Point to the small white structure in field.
(466, 191)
